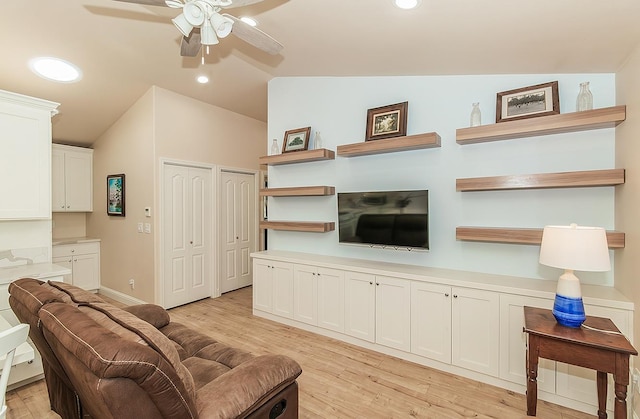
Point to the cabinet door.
(331, 299)
(67, 262)
(393, 312)
(282, 289)
(513, 343)
(305, 307)
(431, 321)
(475, 316)
(86, 269)
(58, 203)
(25, 162)
(262, 285)
(78, 167)
(360, 309)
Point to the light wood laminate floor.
(339, 380)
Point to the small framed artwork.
(115, 195)
(387, 121)
(528, 102)
(296, 140)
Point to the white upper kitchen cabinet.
(25, 156)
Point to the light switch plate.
(139, 227)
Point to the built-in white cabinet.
(84, 261)
(25, 159)
(465, 323)
(273, 287)
(71, 179)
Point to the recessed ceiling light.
(249, 21)
(55, 69)
(203, 79)
(407, 4)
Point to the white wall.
(337, 108)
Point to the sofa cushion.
(77, 294)
(150, 313)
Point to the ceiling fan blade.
(190, 46)
(149, 2)
(254, 36)
(240, 3)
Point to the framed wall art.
(387, 121)
(528, 102)
(296, 140)
(115, 195)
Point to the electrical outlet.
(140, 228)
(147, 228)
(132, 283)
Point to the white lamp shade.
(221, 24)
(194, 13)
(575, 248)
(208, 34)
(183, 26)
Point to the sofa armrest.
(151, 313)
(246, 387)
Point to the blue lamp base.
(569, 311)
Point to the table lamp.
(573, 248)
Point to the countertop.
(74, 240)
(36, 270)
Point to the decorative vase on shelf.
(274, 147)
(317, 141)
(584, 102)
(475, 115)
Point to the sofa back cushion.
(116, 371)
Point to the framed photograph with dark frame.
(296, 140)
(387, 121)
(115, 195)
(528, 102)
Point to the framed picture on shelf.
(528, 102)
(296, 140)
(387, 121)
(115, 195)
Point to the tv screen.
(384, 218)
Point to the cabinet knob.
(370, 283)
(455, 295)
(73, 250)
(191, 242)
(68, 206)
(377, 283)
(62, 206)
(446, 294)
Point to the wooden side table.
(605, 350)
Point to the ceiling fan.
(201, 23)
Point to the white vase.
(317, 141)
(584, 102)
(475, 115)
(274, 147)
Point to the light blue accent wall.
(337, 107)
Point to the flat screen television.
(397, 219)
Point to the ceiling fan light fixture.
(208, 34)
(407, 4)
(182, 24)
(194, 13)
(55, 69)
(221, 24)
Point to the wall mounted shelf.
(312, 227)
(299, 191)
(298, 157)
(589, 178)
(544, 125)
(615, 239)
(390, 145)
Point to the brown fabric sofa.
(104, 362)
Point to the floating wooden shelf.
(390, 145)
(312, 227)
(543, 125)
(521, 235)
(299, 191)
(587, 178)
(298, 157)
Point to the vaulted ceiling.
(125, 48)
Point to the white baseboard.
(120, 297)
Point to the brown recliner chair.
(106, 362)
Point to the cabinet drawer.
(75, 249)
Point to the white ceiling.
(124, 48)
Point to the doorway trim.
(159, 241)
(218, 215)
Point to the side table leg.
(532, 375)
(620, 403)
(601, 382)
